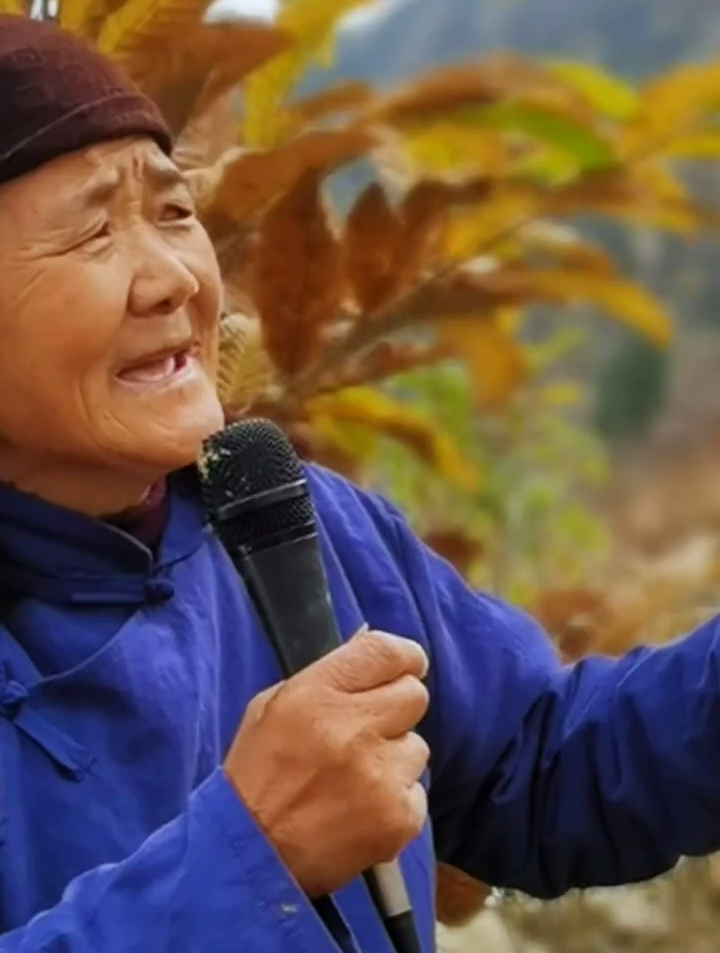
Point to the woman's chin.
(174, 441)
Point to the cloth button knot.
(12, 695)
(159, 590)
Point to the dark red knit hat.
(58, 95)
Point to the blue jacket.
(124, 678)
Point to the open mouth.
(157, 368)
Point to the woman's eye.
(177, 212)
(101, 231)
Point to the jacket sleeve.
(549, 777)
(207, 882)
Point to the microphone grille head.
(241, 462)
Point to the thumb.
(371, 659)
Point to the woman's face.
(109, 309)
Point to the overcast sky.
(266, 8)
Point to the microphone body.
(283, 572)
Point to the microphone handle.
(287, 585)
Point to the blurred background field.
(471, 257)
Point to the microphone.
(257, 499)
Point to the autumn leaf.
(459, 897)
(558, 244)
(343, 97)
(626, 301)
(204, 65)
(14, 7)
(296, 278)
(496, 363)
(425, 213)
(207, 137)
(373, 233)
(478, 229)
(704, 145)
(468, 293)
(585, 145)
(380, 414)
(250, 181)
(645, 193)
(86, 17)
(312, 23)
(246, 373)
(142, 25)
(381, 361)
(606, 94)
(458, 91)
(673, 104)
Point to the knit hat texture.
(59, 95)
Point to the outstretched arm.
(549, 777)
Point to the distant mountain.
(634, 37)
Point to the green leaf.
(588, 148)
(607, 94)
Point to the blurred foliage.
(397, 341)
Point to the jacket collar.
(56, 555)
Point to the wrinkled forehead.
(89, 177)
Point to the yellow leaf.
(704, 144)
(645, 193)
(139, 26)
(561, 394)
(312, 23)
(380, 414)
(477, 230)
(14, 7)
(607, 94)
(494, 360)
(446, 147)
(86, 17)
(562, 246)
(672, 105)
(629, 303)
(250, 181)
(296, 276)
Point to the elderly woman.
(161, 789)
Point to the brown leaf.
(465, 293)
(208, 136)
(459, 897)
(388, 250)
(455, 546)
(343, 97)
(577, 619)
(251, 181)
(204, 65)
(425, 213)
(373, 233)
(500, 77)
(245, 372)
(297, 275)
(386, 359)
